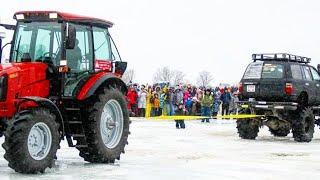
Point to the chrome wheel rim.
(39, 141)
(111, 124)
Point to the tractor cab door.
(79, 60)
(102, 49)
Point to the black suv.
(286, 90)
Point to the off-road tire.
(281, 132)
(16, 141)
(97, 151)
(247, 128)
(303, 125)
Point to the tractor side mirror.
(318, 68)
(120, 67)
(70, 37)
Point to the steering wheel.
(51, 67)
(44, 55)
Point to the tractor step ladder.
(75, 124)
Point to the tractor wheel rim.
(111, 125)
(39, 141)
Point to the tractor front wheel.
(31, 141)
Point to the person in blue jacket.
(226, 99)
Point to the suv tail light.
(289, 88)
(240, 87)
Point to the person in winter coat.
(206, 104)
(188, 105)
(142, 101)
(194, 106)
(216, 103)
(180, 110)
(199, 96)
(233, 108)
(178, 98)
(163, 106)
(156, 105)
(179, 107)
(226, 99)
(170, 102)
(148, 107)
(132, 100)
(186, 95)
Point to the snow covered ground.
(157, 150)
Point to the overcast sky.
(218, 36)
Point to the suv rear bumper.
(263, 105)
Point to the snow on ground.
(157, 150)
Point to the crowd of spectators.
(162, 99)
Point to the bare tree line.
(174, 77)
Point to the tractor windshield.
(37, 41)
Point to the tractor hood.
(4, 67)
(21, 80)
(31, 71)
(8, 68)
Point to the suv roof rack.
(280, 57)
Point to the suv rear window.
(272, 70)
(257, 70)
(253, 71)
(296, 72)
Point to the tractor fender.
(90, 87)
(47, 103)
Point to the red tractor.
(63, 81)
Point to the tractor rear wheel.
(106, 128)
(31, 141)
(303, 125)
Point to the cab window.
(101, 44)
(80, 58)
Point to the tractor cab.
(76, 46)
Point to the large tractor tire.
(106, 128)
(31, 141)
(247, 128)
(303, 125)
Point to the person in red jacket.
(132, 96)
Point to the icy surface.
(157, 150)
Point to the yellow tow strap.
(170, 118)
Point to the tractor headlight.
(3, 87)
